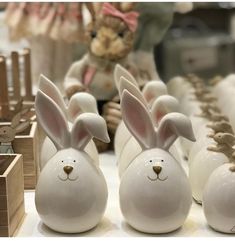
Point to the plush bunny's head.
(111, 34)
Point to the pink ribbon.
(130, 18)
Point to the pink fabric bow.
(129, 18)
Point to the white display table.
(113, 223)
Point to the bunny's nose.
(68, 169)
(157, 169)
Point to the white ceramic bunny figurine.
(79, 103)
(219, 196)
(155, 195)
(150, 92)
(71, 192)
(161, 106)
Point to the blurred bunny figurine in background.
(71, 193)
(155, 194)
(8, 133)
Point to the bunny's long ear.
(52, 120)
(81, 103)
(120, 71)
(171, 127)
(87, 126)
(51, 90)
(138, 120)
(163, 105)
(127, 85)
(153, 89)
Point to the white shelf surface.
(113, 223)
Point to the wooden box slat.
(12, 208)
(27, 144)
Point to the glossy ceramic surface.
(155, 201)
(200, 169)
(219, 199)
(74, 202)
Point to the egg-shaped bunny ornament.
(155, 195)
(161, 106)
(151, 90)
(219, 199)
(71, 193)
(79, 103)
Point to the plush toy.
(110, 38)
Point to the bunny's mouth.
(157, 178)
(67, 178)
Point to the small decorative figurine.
(125, 80)
(149, 199)
(79, 103)
(206, 161)
(157, 109)
(8, 133)
(219, 196)
(71, 193)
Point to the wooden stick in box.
(27, 75)
(15, 75)
(4, 100)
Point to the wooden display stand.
(27, 144)
(12, 209)
(10, 95)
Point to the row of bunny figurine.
(211, 158)
(155, 193)
(69, 157)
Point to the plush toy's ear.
(126, 85)
(120, 71)
(22, 126)
(80, 103)
(162, 105)
(52, 120)
(87, 126)
(154, 89)
(138, 120)
(171, 127)
(51, 90)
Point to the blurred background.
(184, 37)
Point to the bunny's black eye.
(162, 160)
(62, 161)
(93, 34)
(150, 161)
(121, 34)
(74, 161)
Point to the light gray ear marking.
(52, 120)
(171, 127)
(87, 126)
(51, 90)
(119, 72)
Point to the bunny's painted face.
(155, 166)
(68, 170)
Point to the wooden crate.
(12, 209)
(26, 143)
